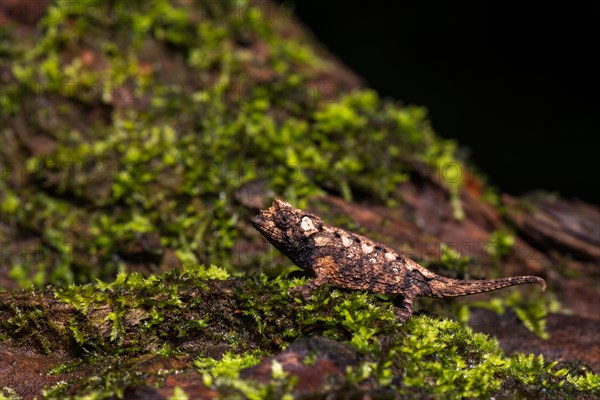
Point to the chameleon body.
(348, 260)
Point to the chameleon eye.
(285, 221)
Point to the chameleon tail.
(441, 286)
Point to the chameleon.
(347, 260)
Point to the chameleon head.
(286, 227)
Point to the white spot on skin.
(346, 241)
(373, 260)
(395, 269)
(366, 248)
(322, 241)
(390, 257)
(308, 227)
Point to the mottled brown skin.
(345, 259)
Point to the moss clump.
(9, 394)
(108, 326)
(224, 374)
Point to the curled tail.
(446, 287)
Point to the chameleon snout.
(261, 220)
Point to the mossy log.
(198, 331)
(137, 142)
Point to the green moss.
(229, 365)
(179, 394)
(500, 245)
(111, 383)
(110, 325)
(453, 357)
(532, 311)
(453, 261)
(9, 394)
(223, 375)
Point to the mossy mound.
(220, 326)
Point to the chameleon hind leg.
(405, 309)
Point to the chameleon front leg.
(322, 268)
(405, 309)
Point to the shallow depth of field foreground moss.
(173, 315)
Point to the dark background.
(511, 82)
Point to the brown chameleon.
(345, 259)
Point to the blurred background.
(512, 82)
